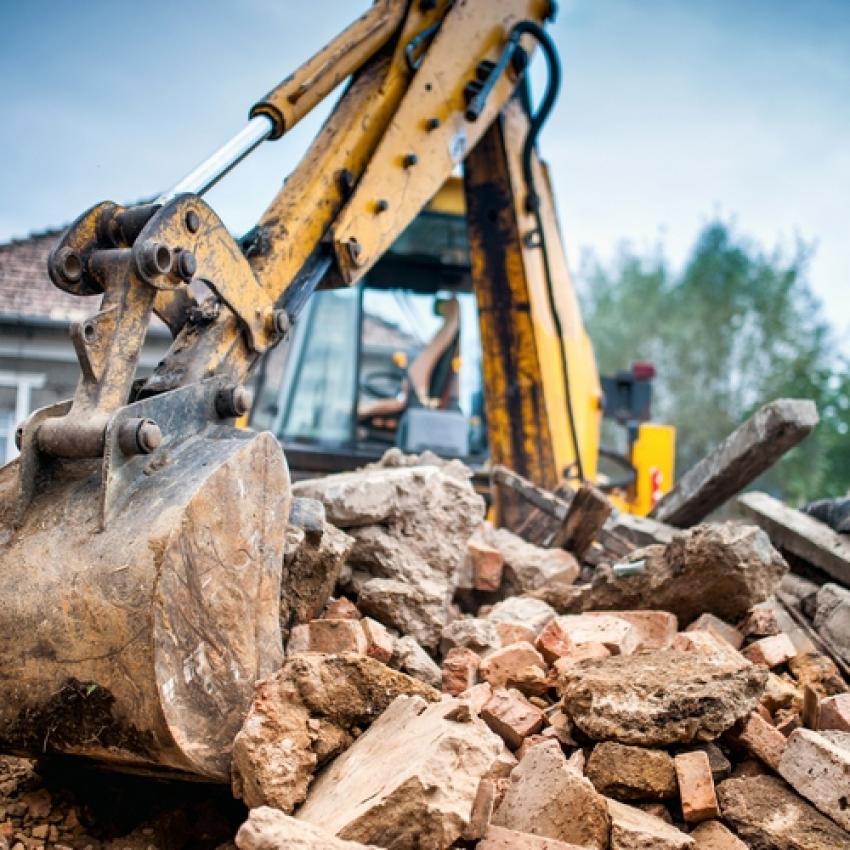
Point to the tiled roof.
(26, 291)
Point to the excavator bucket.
(139, 597)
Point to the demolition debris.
(583, 680)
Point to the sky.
(672, 112)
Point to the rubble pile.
(450, 684)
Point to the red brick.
(709, 644)
(514, 633)
(611, 630)
(379, 642)
(487, 565)
(460, 670)
(722, 629)
(341, 609)
(656, 629)
(331, 636)
(511, 716)
(477, 696)
(770, 651)
(508, 662)
(553, 642)
(696, 786)
(580, 653)
(761, 739)
(835, 713)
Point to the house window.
(15, 405)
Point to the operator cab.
(392, 361)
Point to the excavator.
(141, 528)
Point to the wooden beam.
(587, 514)
(544, 511)
(799, 534)
(747, 452)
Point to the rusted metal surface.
(139, 644)
(518, 426)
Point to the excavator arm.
(143, 532)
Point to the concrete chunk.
(499, 838)
(631, 773)
(634, 829)
(524, 610)
(767, 815)
(409, 781)
(660, 697)
(303, 715)
(271, 829)
(712, 835)
(817, 767)
(546, 798)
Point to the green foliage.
(736, 328)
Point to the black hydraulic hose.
(532, 202)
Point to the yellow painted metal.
(290, 101)
(314, 192)
(584, 383)
(429, 134)
(518, 426)
(653, 457)
(449, 198)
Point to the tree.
(737, 327)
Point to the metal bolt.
(233, 401)
(155, 259)
(187, 265)
(281, 321)
(89, 332)
(410, 159)
(345, 181)
(432, 123)
(355, 249)
(139, 436)
(70, 265)
(381, 205)
(193, 221)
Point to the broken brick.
(835, 713)
(379, 642)
(615, 633)
(487, 565)
(460, 670)
(770, 651)
(331, 636)
(696, 787)
(656, 629)
(761, 739)
(502, 664)
(340, 609)
(554, 642)
(514, 633)
(722, 629)
(511, 716)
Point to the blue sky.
(672, 112)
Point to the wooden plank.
(539, 526)
(639, 530)
(747, 452)
(799, 534)
(545, 512)
(585, 518)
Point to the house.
(38, 365)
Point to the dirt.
(62, 804)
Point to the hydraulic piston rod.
(214, 167)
